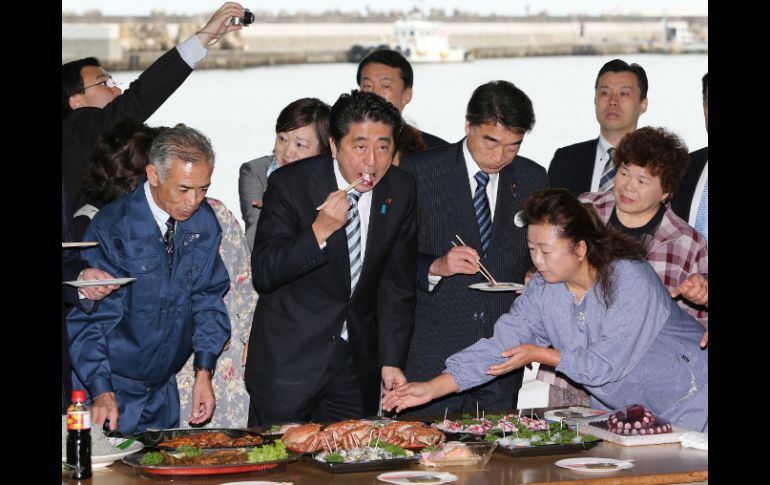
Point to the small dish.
(83, 244)
(87, 283)
(410, 477)
(594, 464)
(499, 286)
(474, 455)
(102, 461)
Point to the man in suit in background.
(92, 102)
(472, 188)
(388, 74)
(691, 200)
(620, 97)
(336, 285)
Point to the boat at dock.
(419, 40)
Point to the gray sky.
(509, 7)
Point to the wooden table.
(652, 465)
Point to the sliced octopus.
(637, 420)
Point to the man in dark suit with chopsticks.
(336, 284)
(471, 189)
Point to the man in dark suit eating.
(336, 284)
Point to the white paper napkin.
(694, 439)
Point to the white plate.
(79, 244)
(86, 283)
(257, 482)
(400, 477)
(572, 412)
(104, 460)
(574, 464)
(500, 286)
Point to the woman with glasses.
(596, 311)
(301, 131)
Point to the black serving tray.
(364, 466)
(527, 450)
(545, 450)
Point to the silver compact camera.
(248, 18)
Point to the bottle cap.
(79, 396)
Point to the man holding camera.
(92, 102)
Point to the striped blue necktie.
(702, 219)
(607, 182)
(168, 238)
(353, 231)
(481, 206)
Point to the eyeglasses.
(107, 83)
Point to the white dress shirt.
(364, 208)
(698, 194)
(158, 214)
(599, 162)
(472, 168)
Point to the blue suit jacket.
(142, 334)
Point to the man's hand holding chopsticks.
(332, 216)
(458, 260)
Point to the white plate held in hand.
(500, 286)
(87, 283)
(78, 244)
(594, 464)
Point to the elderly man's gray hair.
(182, 142)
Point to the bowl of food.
(475, 456)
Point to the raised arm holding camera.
(92, 102)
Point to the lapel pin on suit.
(385, 205)
(513, 189)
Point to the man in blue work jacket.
(127, 352)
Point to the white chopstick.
(484, 271)
(346, 189)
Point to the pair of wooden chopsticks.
(346, 189)
(484, 271)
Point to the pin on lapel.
(513, 189)
(385, 205)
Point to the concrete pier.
(134, 44)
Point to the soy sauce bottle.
(79, 435)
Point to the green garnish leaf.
(152, 458)
(334, 458)
(268, 453)
(189, 450)
(395, 450)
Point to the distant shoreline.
(237, 59)
(134, 44)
